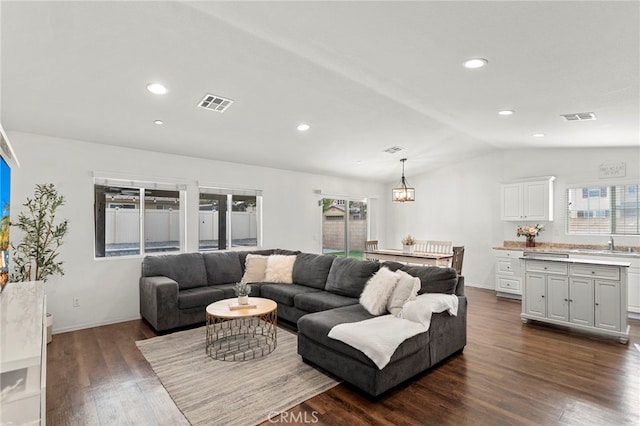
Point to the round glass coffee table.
(237, 333)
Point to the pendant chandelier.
(403, 193)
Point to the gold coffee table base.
(241, 335)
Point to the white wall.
(108, 288)
(461, 203)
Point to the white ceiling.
(365, 75)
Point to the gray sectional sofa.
(176, 289)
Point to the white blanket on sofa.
(379, 337)
(421, 309)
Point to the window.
(229, 218)
(603, 210)
(137, 219)
(594, 192)
(161, 220)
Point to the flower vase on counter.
(529, 232)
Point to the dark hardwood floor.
(509, 373)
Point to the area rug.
(211, 392)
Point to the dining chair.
(456, 260)
(421, 246)
(439, 247)
(371, 245)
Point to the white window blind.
(135, 183)
(230, 191)
(607, 209)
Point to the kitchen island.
(509, 268)
(589, 295)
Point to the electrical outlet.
(76, 302)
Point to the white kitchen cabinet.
(546, 286)
(530, 200)
(633, 296)
(581, 304)
(607, 297)
(633, 286)
(508, 273)
(535, 303)
(558, 297)
(583, 294)
(633, 277)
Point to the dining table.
(415, 257)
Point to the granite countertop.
(621, 251)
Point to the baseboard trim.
(91, 325)
(508, 295)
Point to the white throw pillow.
(377, 291)
(254, 268)
(406, 290)
(279, 269)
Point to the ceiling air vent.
(580, 116)
(393, 149)
(215, 103)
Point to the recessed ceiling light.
(157, 88)
(506, 112)
(359, 162)
(159, 122)
(475, 63)
(538, 135)
(303, 127)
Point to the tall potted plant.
(35, 257)
(4, 246)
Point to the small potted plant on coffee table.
(242, 290)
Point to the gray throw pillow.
(312, 270)
(223, 267)
(434, 279)
(348, 276)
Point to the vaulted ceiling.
(365, 76)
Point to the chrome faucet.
(610, 244)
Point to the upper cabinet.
(527, 200)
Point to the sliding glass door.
(344, 227)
